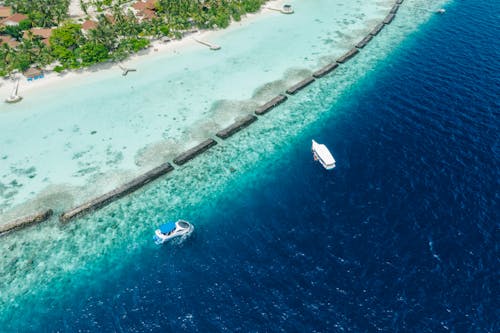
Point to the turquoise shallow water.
(103, 129)
(44, 271)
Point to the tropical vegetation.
(118, 31)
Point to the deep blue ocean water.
(401, 237)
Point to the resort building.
(9, 41)
(145, 10)
(33, 74)
(42, 33)
(13, 19)
(5, 12)
(89, 25)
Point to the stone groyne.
(377, 29)
(116, 194)
(263, 109)
(203, 146)
(26, 221)
(364, 41)
(299, 86)
(325, 70)
(388, 19)
(237, 126)
(348, 55)
(195, 151)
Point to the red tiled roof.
(149, 14)
(32, 72)
(110, 18)
(17, 17)
(150, 4)
(89, 25)
(41, 32)
(139, 5)
(5, 12)
(9, 41)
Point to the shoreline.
(290, 91)
(157, 48)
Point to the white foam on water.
(51, 259)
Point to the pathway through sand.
(75, 10)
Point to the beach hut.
(13, 19)
(33, 73)
(5, 12)
(9, 41)
(42, 33)
(89, 25)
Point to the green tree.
(64, 42)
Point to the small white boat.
(14, 97)
(323, 155)
(171, 230)
(441, 11)
(287, 9)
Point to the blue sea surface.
(402, 236)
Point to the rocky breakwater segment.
(348, 55)
(325, 70)
(388, 19)
(377, 29)
(116, 194)
(263, 109)
(299, 86)
(364, 41)
(200, 148)
(237, 126)
(195, 151)
(26, 221)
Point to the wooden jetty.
(263, 109)
(212, 47)
(394, 9)
(399, 2)
(126, 70)
(195, 151)
(236, 126)
(325, 70)
(116, 194)
(26, 221)
(364, 41)
(348, 55)
(286, 9)
(299, 86)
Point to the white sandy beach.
(77, 135)
(53, 79)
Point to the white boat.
(171, 230)
(323, 155)
(287, 9)
(14, 97)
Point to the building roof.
(17, 17)
(110, 18)
(148, 14)
(32, 72)
(141, 6)
(89, 25)
(9, 41)
(41, 32)
(5, 12)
